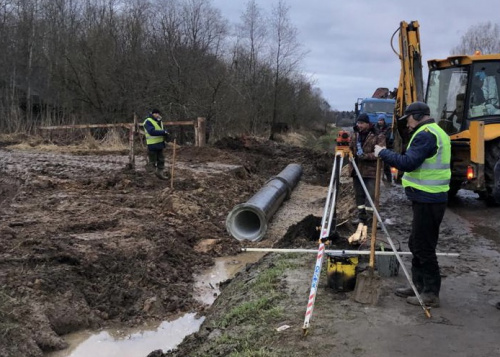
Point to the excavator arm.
(411, 82)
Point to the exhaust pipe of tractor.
(248, 221)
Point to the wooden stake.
(172, 168)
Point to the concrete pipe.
(248, 221)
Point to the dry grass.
(7, 323)
(292, 138)
(113, 140)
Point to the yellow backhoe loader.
(463, 95)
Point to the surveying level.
(343, 138)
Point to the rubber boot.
(429, 300)
(150, 168)
(361, 218)
(161, 175)
(368, 217)
(406, 292)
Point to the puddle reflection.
(140, 342)
(131, 343)
(206, 285)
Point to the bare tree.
(484, 37)
(252, 37)
(285, 53)
(79, 61)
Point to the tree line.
(100, 61)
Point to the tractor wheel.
(454, 187)
(491, 157)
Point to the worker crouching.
(362, 146)
(155, 139)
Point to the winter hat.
(417, 109)
(155, 111)
(381, 117)
(363, 117)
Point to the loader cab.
(446, 94)
(484, 90)
(463, 97)
(460, 93)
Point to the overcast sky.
(348, 42)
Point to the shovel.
(367, 289)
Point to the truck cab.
(373, 107)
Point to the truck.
(463, 96)
(373, 107)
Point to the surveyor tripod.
(329, 219)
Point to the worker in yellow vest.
(426, 179)
(155, 139)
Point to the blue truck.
(374, 107)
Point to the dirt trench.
(87, 242)
(261, 311)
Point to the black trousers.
(156, 159)
(427, 218)
(360, 194)
(387, 172)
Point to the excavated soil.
(261, 311)
(87, 241)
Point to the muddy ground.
(87, 242)
(261, 311)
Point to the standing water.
(139, 342)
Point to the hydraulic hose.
(248, 221)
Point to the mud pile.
(87, 242)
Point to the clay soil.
(88, 242)
(261, 311)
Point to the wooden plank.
(126, 125)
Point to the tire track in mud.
(26, 164)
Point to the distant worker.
(426, 164)
(386, 130)
(484, 93)
(477, 97)
(155, 139)
(362, 146)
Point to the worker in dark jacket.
(155, 139)
(362, 146)
(426, 166)
(386, 130)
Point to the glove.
(378, 149)
(166, 136)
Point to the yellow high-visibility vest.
(150, 139)
(434, 174)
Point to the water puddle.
(130, 343)
(139, 342)
(206, 286)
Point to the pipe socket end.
(246, 222)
